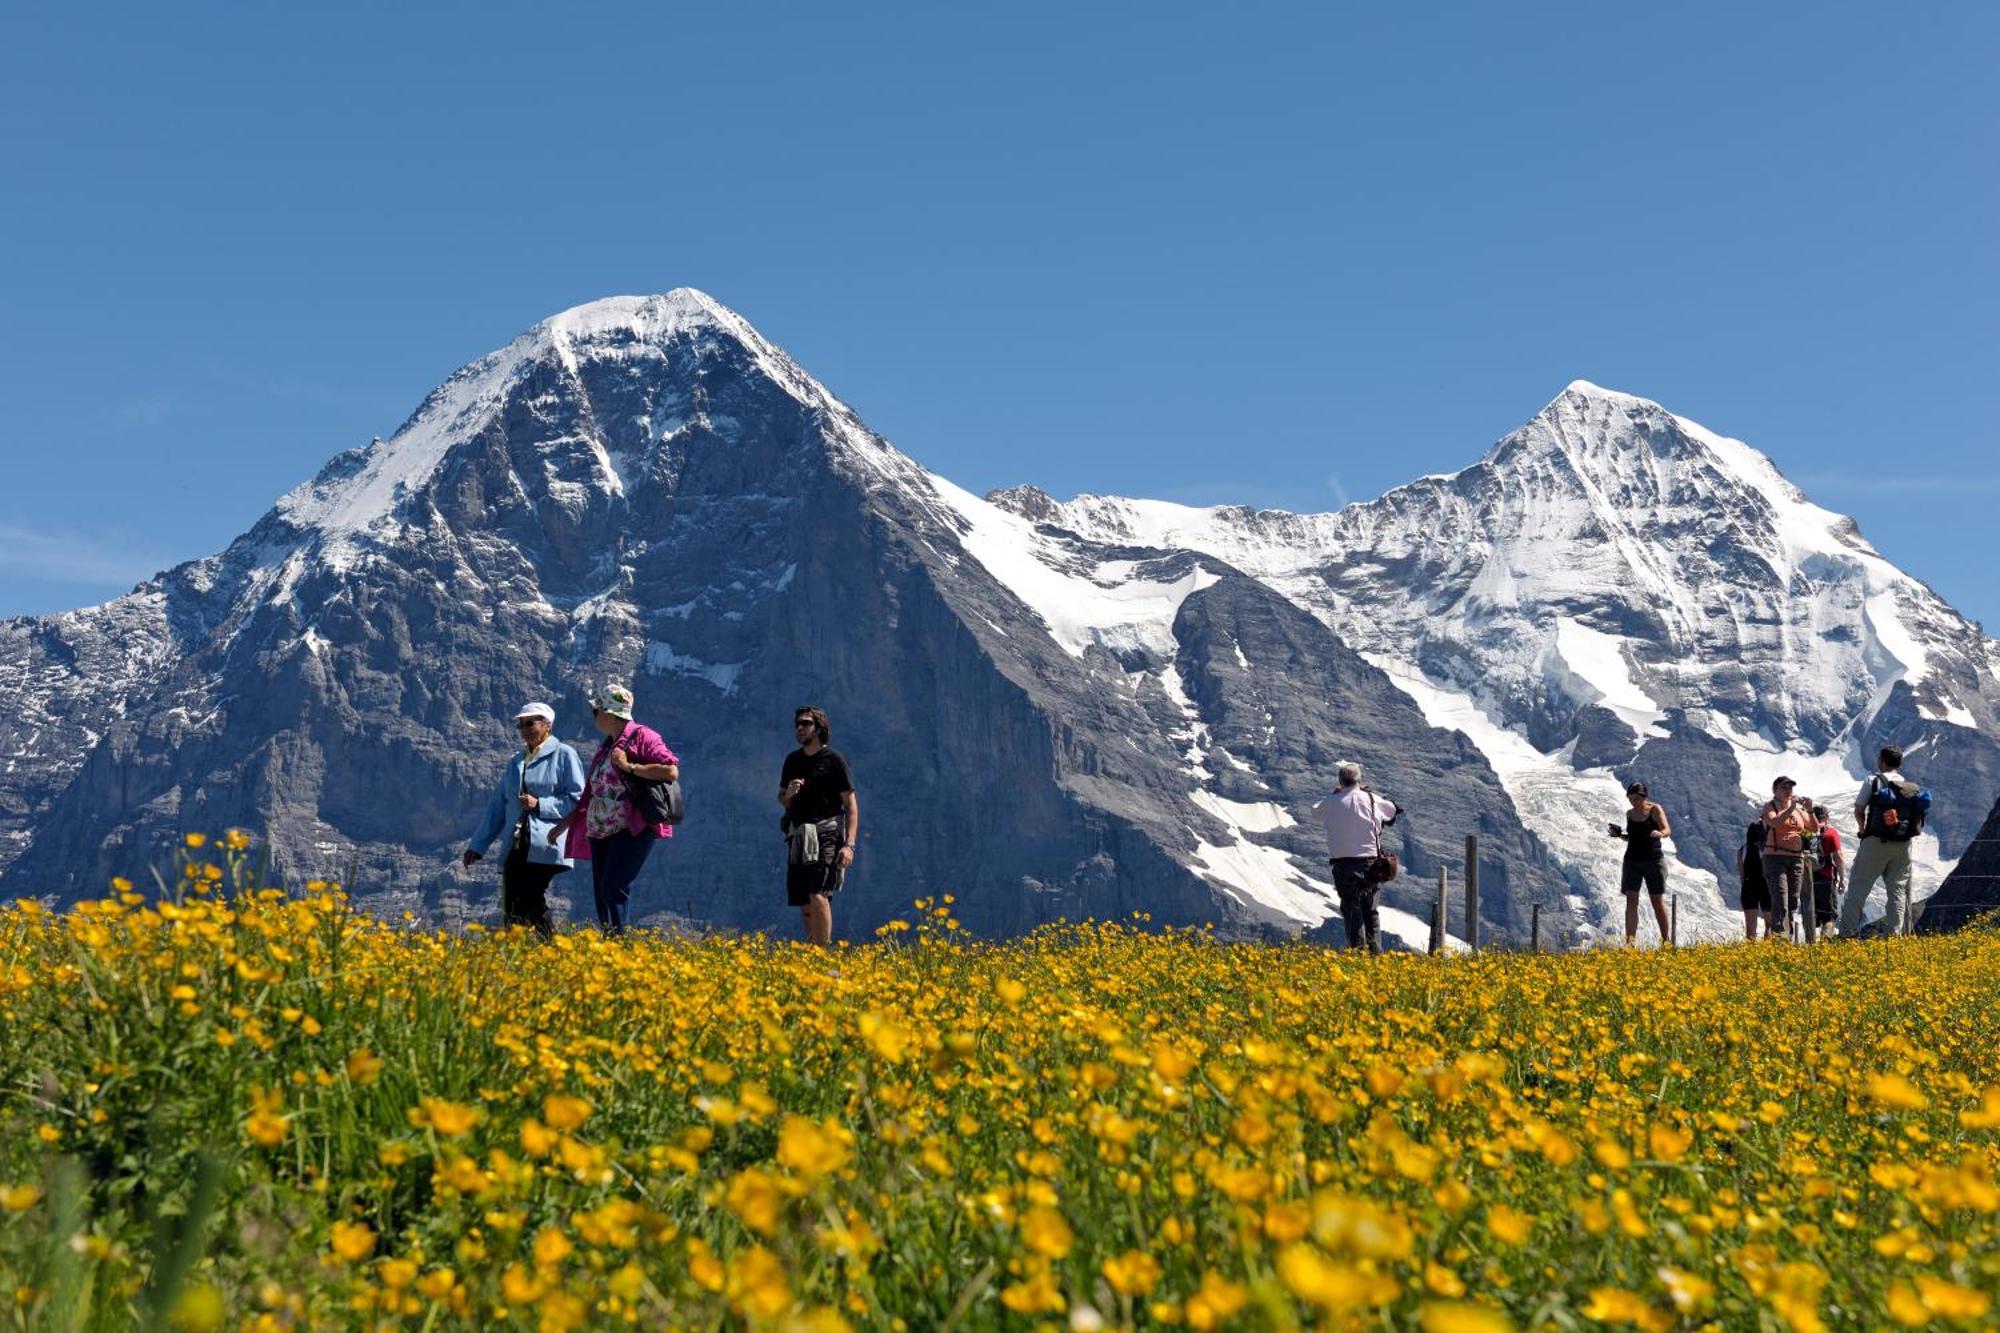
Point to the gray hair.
(1348, 772)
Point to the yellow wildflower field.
(274, 1112)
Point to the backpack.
(1895, 811)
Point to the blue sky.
(1277, 255)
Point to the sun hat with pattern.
(613, 699)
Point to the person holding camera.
(541, 785)
(1788, 824)
(1645, 832)
(1354, 818)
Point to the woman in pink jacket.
(606, 826)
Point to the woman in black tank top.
(1646, 829)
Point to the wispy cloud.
(82, 557)
(146, 413)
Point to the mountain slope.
(645, 489)
(1615, 591)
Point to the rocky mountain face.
(1053, 708)
(646, 490)
(1612, 593)
(1970, 894)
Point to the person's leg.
(1896, 879)
(1749, 923)
(627, 858)
(1632, 917)
(534, 902)
(819, 919)
(513, 871)
(1869, 858)
(1777, 881)
(600, 876)
(1371, 918)
(1348, 884)
(1660, 916)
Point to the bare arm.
(851, 808)
(1665, 828)
(645, 772)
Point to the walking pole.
(1674, 922)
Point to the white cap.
(542, 711)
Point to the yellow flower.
(884, 1036)
(519, 1287)
(1668, 1144)
(1215, 1302)
(1904, 1306)
(756, 1286)
(1170, 1062)
(1047, 1232)
(551, 1247)
(1948, 1300)
(1690, 1294)
(1037, 1295)
(196, 840)
(19, 1198)
(1613, 1305)
(353, 1241)
(363, 1066)
(813, 1150)
(1987, 1116)
(266, 1127)
(1334, 1286)
(198, 1309)
(1896, 1092)
(537, 1139)
(1133, 1273)
(450, 1119)
(564, 1112)
(753, 1196)
(1358, 1226)
(1462, 1317)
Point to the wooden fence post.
(1472, 890)
(1535, 928)
(1441, 917)
(1674, 923)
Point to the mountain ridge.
(646, 486)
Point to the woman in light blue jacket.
(542, 784)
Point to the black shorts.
(1652, 874)
(1756, 896)
(805, 879)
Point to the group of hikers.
(1792, 844)
(556, 810)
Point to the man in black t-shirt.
(821, 821)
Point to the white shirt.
(1354, 820)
